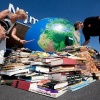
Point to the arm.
(2, 33)
(13, 34)
(86, 42)
(86, 36)
(4, 13)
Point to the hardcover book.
(13, 72)
(47, 93)
(34, 77)
(39, 69)
(70, 76)
(55, 84)
(63, 61)
(63, 68)
(53, 90)
(24, 85)
(49, 59)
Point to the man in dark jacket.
(90, 27)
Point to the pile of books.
(51, 74)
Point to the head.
(21, 14)
(78, 25)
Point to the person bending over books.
(8, 25)
(90, 27)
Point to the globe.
(49, 34)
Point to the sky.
(71, 10)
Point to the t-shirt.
(91, 27)
(77, 38)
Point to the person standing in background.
(90, 27)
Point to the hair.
(21, 12)
(76, 23)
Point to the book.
(24, 85)
(69, 55)
(13, 66)
(34, 77)
(80, 58)
(24, 54)
(63, 68)
(26, 74)
(32, 87)
(53, 90)
(36, 63)
(71, 79)
(49, 59)
(8, 80)
(39, 77)
(78, 85)
(43, 82)
(48, 89)
(47, 93)
(70, 76)
(89, 79)
(39, 69)
(13, 72)
(63, 61)
(70, 72)
(58, 76)
(55, 84)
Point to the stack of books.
(50, 75)
(45, 87)
(14, 68)
(33, 77)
